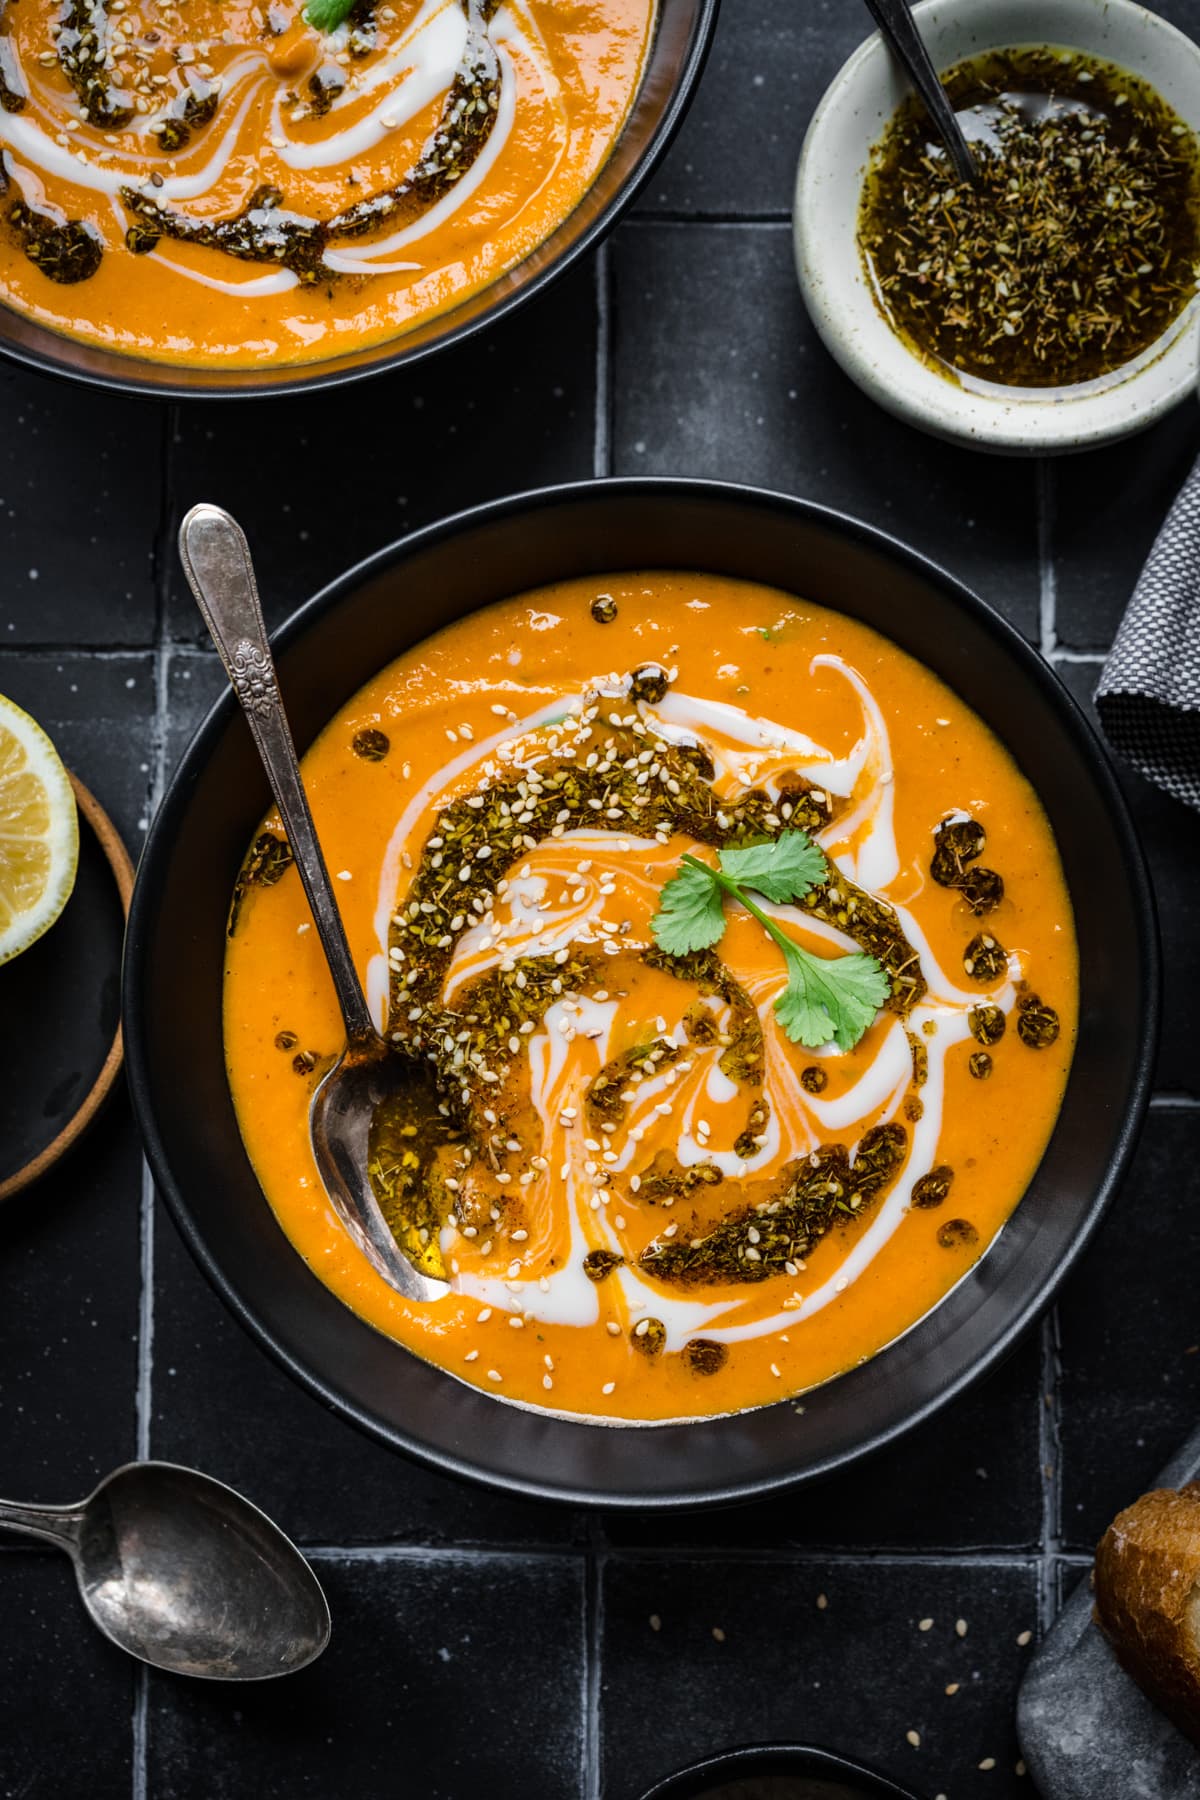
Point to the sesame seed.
(495, 1375)
(655, 1622)
(483, 1317)
(718, 1634)
(612, 1328)
(989, 1762)
(822, 1602)
(952, 1687)
(608, 1387)
(1025, 1637)
(925, 1625)
(471, 1356)
(914, 1738)
(960, 1626)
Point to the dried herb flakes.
(269, 860)
(771, 1238)
(1076, 246)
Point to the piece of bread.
(1147, 1583)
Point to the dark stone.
(1087, 1730)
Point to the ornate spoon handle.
(55, 1524)
(216, 561)
(899, 29)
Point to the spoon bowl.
(182, 1572)
(339, 1121)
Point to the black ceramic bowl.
(682, 35)
(778, 1772)
(172, 1005)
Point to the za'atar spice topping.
(1074, 250)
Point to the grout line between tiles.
(144, 1398)
(593, 1648)
(1050, 1465)
(1093, 657)
(1047, 583)
(440, 1553)
(774, 221)
(1025, 1557)
(93, 652)
(602, 443)
(141, 1710)
(807, 1557)
(144, 1392)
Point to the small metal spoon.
(181, 1572)
(216, 561)
(894, 19)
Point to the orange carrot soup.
(732, 959)
(269, 181)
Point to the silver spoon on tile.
(894, 19)
(216, 561)
(182, 1572)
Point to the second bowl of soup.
(736, 919)
(235, 198)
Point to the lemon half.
(39, 832)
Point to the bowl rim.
(186, 381)
(1053, 426)
(769, 1759)
(156, 853)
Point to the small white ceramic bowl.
(851, 119)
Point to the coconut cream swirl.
(713, 1091)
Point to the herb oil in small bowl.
(1073, 252)
(1052, 304)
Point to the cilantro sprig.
(327, 15)
(827, 999)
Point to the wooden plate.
(61, 1001)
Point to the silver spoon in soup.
(216, 561)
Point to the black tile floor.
(488, 1646)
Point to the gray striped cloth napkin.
(1149, 694)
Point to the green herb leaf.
(327, 15)
(690, 914)
(829, 998)
(784, 869)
